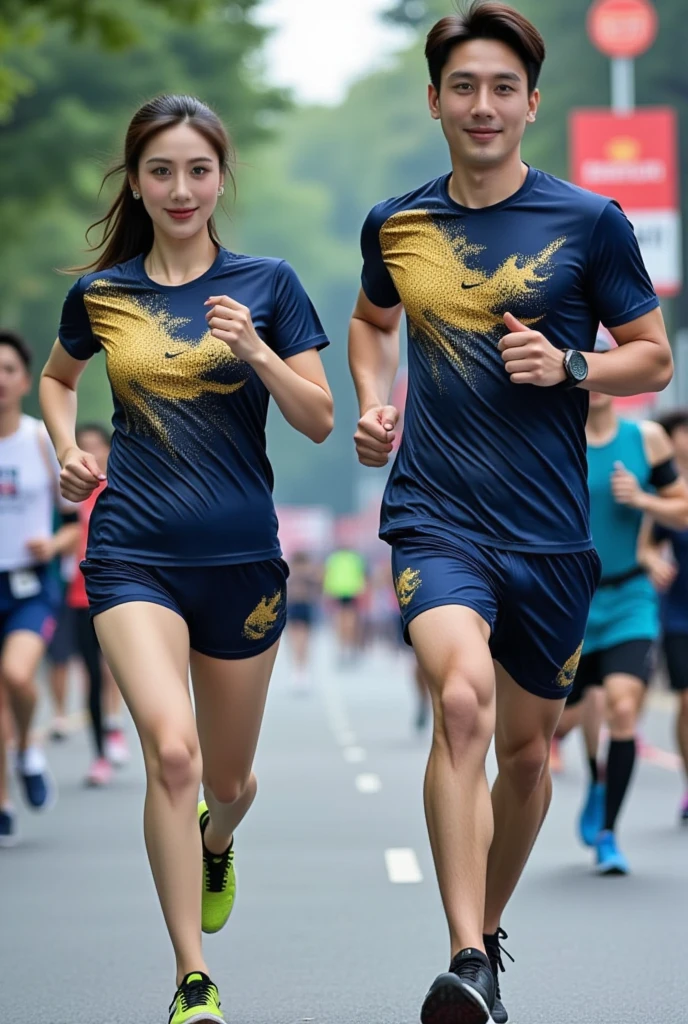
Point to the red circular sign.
(622, 28)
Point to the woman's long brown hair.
(127, 227)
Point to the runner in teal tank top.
(631, 474)
(625, 606)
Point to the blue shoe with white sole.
(591, 817)
(610, 859)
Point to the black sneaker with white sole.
(464, 995)
(494, 952)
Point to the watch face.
(578, 366)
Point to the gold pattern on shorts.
(407, 583)
(568, 672)
(263, 617)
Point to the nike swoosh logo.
(172, 355)
(476, 285)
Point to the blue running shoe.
(39, 787)
(591, 817)
(8, 827)
(610, 859)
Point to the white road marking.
(354, 755)
(368, 783)
(336, 712)
(402, 866)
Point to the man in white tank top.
(29, 475)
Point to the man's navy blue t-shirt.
(189, 481)
(500, 463)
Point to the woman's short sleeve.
(296, 326)
(75, 333)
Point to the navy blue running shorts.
(301, 611)
(29, 600)
(231, 611)
(536, 605)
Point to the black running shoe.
(465, 995)
(494, 952)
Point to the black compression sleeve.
(664, 474)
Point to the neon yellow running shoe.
(196, 1000)
(219, 881)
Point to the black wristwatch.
(575, 367)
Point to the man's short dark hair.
(15, 341)
(673, 419)
(485, 19)
(103, 432)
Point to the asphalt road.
(322, 931)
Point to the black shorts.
(63, 645)
(632, 658)
(675, 647)
(231, 611)
(301, 611)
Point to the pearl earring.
(136, 195)
(221, 190)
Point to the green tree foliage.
(22, 25)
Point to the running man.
(671, 579)
(631, 473)
(93, 439)
(504, 273)
(183, 567)
(29, 599)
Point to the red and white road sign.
(622, 28)
(633, 159)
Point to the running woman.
(504, 273)
(631, 473)
(29, 596)
(666, 558)
(183, 568)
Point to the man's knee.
(464, 712)
(622, 713)
(17, 679)
(524, 765)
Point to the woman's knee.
(229, 789)
(175, 760)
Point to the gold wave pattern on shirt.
(568, 671)
(263, 617)
(440, 282)
(137, 338)
(406, 584)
